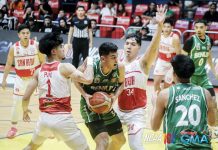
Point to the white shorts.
(20, 85)
(62, 126)
(135, 120)
(164, 68)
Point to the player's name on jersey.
(187, 97)
(201, 54)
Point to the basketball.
(100, 102)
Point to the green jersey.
(103, 82)
(185, 119)
(199, 54)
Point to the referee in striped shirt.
(82, 35)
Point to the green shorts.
(201, 81)
(98, 123)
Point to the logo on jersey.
(198, 46)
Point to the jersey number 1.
(49, 88)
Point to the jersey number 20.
(190, 112)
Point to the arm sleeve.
(188, 45)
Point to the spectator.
(48, 26)
(5, 11)
(170, 14)
(63, 29)
(212, 14)
(137, 22)
(144, 33)
(28, 13)
(16, 5)
(151, 12)
(61, 15)
(108, 10)
(3, 21)
(94, 9)
(27, 3)
(173, 3)
(32, 25)
(121, 10)
(44, 9)
(95, 29)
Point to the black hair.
(80, 7)
(201, 21)
(169, 21)
(21, 27)
(49, 42)
(136, 36)
(106, 48)
(183, 66)
(213, 4)
(93, 20)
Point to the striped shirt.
(80, 27)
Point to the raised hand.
(160, 14)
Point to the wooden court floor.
(151, 139)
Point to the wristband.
(89, 61)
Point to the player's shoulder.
(175, 36)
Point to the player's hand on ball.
(87, 97)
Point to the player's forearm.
(152, 52)
(90, 37)
(70, 35)
(210, 63)
(25, 104)
(119, 90)
(6, 71)
(79, 87)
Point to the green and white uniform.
(185, 119)
(102, 82)
(199, 54)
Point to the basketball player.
(169, 47)
(198, 47)
(133, 100)
(27, 59)
(108, 77)
(53, 81)
(187, 110)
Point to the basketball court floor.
(152, 140)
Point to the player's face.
(131, 48)
(24, 35)
(80, 12)
(200, 29)
(110, 60)
(60, 52)
(167, 28)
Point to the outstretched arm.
(148, 58)
(86, 77)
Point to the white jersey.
(54, 89)
(166, 49)
(26, 59)
(134, 93)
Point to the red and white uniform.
(133, 100)
(54, 103)
(166, 53)
(54, 89)
(26, 62)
